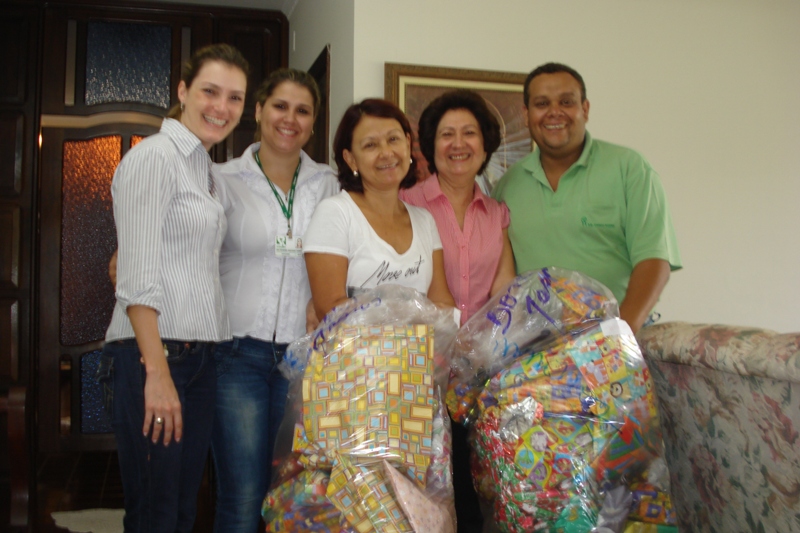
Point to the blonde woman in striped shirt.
(170, 309)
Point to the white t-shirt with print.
(339, 227)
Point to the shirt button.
(463, 306)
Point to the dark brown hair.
(282, 75)
(552, 68)
(457, 99)
(343, 140)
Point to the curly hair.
(343, 140)
(458, 99)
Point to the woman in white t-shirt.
(366, 236)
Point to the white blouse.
(266, 295)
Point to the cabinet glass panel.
(94, 417)
(88, 238)
(128, 62)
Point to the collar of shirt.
(432, 190)
(308, 167)
(534, 164)
(186, 141)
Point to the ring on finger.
(159, 420)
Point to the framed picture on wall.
(412, 87)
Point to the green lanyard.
(287, 210)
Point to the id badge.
(286, 246)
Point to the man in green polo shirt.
(584, 204)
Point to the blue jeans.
(251, 398)
(160, 482)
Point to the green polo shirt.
(608, 214)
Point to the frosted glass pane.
(88, 238)
(128, 62)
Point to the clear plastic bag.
(365, 443)
(559, 402)
(536, 309)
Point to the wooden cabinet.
(19, 40)
(80, 82)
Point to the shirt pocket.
(601, 217)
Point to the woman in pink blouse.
(457, 135)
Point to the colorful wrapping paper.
(365, 498)
(651, 505)
(536, 311)
(371, 437)
(372, 396)
(423, 514)
(558, 426)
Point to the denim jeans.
(251, 398)
(160, 482)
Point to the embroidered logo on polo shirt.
(586, 224)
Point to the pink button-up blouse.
(471, 254)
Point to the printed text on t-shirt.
(385, 274)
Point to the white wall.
(312, 25)
(705, 89)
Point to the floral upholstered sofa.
(730, 406)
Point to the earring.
(182, 107)
(410, 160)
(355, 173)
(312, 131)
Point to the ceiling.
(285, 6)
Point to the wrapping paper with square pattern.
(370, 395)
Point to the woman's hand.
(312, 321)
(161, 402)
(112, 269)
(162, 407)
(438, 292)
(506, 270)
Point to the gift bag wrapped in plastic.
(365, 443)
(559, 403)
(537, 308)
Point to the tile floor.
(87, 480)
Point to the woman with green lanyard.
(269, 195)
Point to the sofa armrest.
(735, 350)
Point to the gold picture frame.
(412, 87)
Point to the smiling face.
(214, 102)
(458, 149)
(556, 116)
(286, 118)
(380, 152)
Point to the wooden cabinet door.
(109, 76)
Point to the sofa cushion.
(730, 415)
(737, 350)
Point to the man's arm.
(648, 279)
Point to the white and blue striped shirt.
(169, 232)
